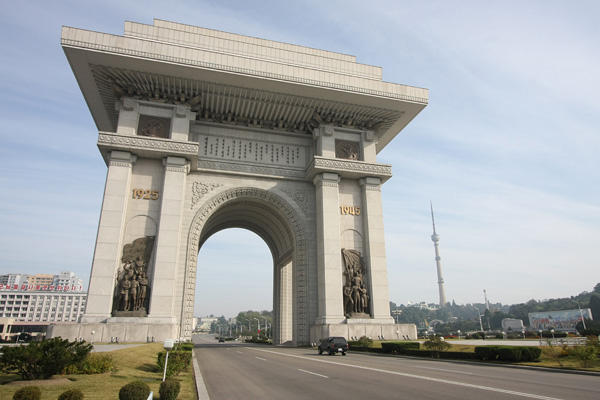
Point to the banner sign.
(43, 288)
(558, 320)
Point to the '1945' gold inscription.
(345, 210)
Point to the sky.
(506, 150)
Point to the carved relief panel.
(154, 127)
(132, 293)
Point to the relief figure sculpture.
(355, 294)
(132, 285)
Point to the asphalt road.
(245, 371)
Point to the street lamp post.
(169, 343)
(258, 329)
(479, 316)
(552, 331)
(580, 313)
(266, 326)
(458, 334)
(396, 312)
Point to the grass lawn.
(134, 363)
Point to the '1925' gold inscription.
(145, 194)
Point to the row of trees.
(453, 317)
(246, 324)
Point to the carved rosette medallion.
(346, 150)
(154, 127)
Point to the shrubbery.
(94, 363)
(399, 347)
(41, 360)
(169, 389)
(365, 341)
(437, 343)
(508, 353)
(28, 393)
(136, 390)
(71, 394)
(177, 362)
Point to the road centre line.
(263, 359)
(427, 378)
(313, 373)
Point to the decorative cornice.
(146, 143)
(348, 168)
(245, 71)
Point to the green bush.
(27, 392)
(169, 389)
(178, 361)
(187, 346)
(437, 343)
(509, 353)
(365, 341)
(585, 355)
(136, 390)
(530, 353)
(487, 352)
(41, 360)
(71, 394)
(94, 363)
(399, 347)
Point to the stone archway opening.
(229, 281)
(267, 216)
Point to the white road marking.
(263, 359)
(239, 352)
(313, 373)
(427, 378)
(447, 370)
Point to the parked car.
(333, 345)
(221, 340)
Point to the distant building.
(67, 278)
(41, 279)
(512, 324)
(42, 305)
(204, 323)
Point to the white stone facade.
(202, 131)
(43, 306)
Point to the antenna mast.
(436, 238)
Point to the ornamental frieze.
(141, 142)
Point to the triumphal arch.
(204, 130)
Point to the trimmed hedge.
(399, 347)
(508, 353)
